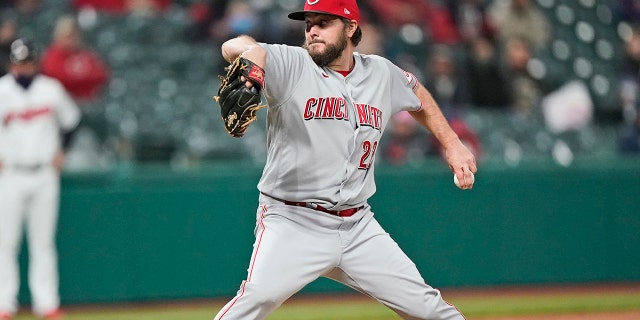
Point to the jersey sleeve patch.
(412, 81)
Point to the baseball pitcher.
(328, 107)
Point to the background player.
(328, 107)
(35, 112)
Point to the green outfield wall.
(147, 233)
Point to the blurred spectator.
(486, 81)
(143, 7)
(8, 33)
(407, 143)
(525, 91)
(629, 137)
(629, 74)
(472, 19)
(372, 39)
(110, 6)
(239, 18)
(203, 16)
(443, 80)
(395, 13)
(520, 19)
(147, 7)
(78, 67)
(468, 137)
(440, 26)
(24, 6)
(628, 10)
(6, 4)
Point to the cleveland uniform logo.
(27, 115)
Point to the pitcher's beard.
(330, 54)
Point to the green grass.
(551, 304)
(360, 309)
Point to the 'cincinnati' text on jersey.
(326, 108)
(335, 108)
(369, 115)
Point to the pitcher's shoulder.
(372, 59)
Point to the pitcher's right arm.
(244, 46)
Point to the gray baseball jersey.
(323, 129)
(333, 108)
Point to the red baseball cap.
(341, 8)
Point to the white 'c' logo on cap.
(310, 2)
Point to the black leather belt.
(340, 213)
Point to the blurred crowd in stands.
(516, 78)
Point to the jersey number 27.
(369, 150)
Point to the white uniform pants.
(296, 245)
(29, 198)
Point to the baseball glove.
(239, 104)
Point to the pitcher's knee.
(268, 297)
(252, 302)
(431, 308)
